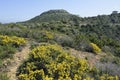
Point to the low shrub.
(95, 48)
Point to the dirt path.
(18, 58)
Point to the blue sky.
(21, 10)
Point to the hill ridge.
(54, 15)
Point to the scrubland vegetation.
(52, 34)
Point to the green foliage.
(104, 19)
(55, 15)
(65, 29)
(9, 45)
(63, 40)
(46, 36)
(6, 51)
(116, 60)
(99, 30)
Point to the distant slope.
(63, 15)
(55, 15)
(113, 18)
(103, 30)
(74, 33)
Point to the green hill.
(54, 15)
(59, 37)
(113, 18)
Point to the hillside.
(55, 15)
(113, 18)
(59, 43)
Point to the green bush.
(64, 40)
(6, 51)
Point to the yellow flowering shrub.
(95, 48)
(51, 62)
(49, 35)
(46, 36)
(33, 75)
(55, 63)
(12, 39)
(9, 45)
(108, 77)
(88, 78)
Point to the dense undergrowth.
(8, 46)
(97, 35)
(51, 62)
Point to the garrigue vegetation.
(99, 35)
(16, 41)
(51, 62)
(8, 46)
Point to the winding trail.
(18, 59)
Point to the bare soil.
(17, 60)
